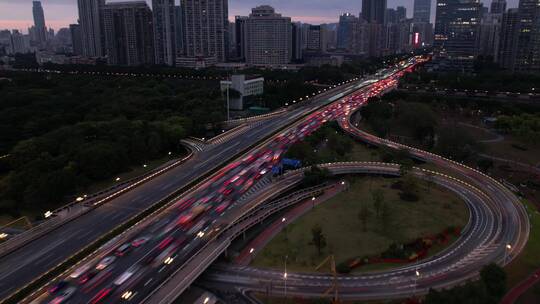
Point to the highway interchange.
(168, 241)
(23, 265)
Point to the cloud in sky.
(60, 13)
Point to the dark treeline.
(64, 132)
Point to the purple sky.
(17, 14)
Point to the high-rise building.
(179, 32)
(401, 13)
(76, 38)
(374, 11)
(128, 33)
(347, 23)
(391, 15)
(39, 23)
(456, 32)
(18, 43)
(498, 6)
(316, 38)
(422, 11)
(296, 44)
(490, 35)
(240, 35)
(509, 39)
(528, 48)
(164, 31)
(268, 37)
(93, 39)
(205, 26)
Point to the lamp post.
(507, 248)
(285, 278)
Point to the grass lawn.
(528, 260)
(504, 149)
(435, 211)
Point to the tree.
(378, 200)
(363, 216)
(317, 238)
(494, 279)
(386, 213)
(409, 189)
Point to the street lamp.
(117, 179)
(285, 277)
(508, 248)
(48, 214)
(251, 250)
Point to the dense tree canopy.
(63, 132)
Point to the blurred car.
(122, 250)
(57, 287)
(105, 262)
(64, 295)
(140, 241)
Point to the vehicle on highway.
(105, 262)
(64, 295)
(140, 241)
(122, 250)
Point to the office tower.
(391, 15)
(205, 26)
(456, 32)
(509, 39)
(373, 11)
(268, 37)
(528, 48)
(347, 23)
(296, 36)
(18, 43)
(401, 13)
(422, 35)
(39, 23)
(316, 39)
(128, 33)
(498, 6)
(164, 31)
(489, 36)
(179, 32)
(93, 39)
(76, 38)
(240, 35)
(422, 11)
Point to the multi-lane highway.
(23, 265)
(498, 230)
(132, 266)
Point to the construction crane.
(332, 262)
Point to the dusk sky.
(17, 14)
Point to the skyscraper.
(39, 23)
(509, 39)
(422, 11)
(93, 39)
(76, 38)
(268, 37)
(164, 31)
(128, 33)
(205, 26)
(345, 31)
(498, 6)
(456, 32)
(316, 38)
(374, 11)
(401, 13)
(239, 29)
(528, 48)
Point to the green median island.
(376, 224)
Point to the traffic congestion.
(128, 271)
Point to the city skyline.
(17, 14)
